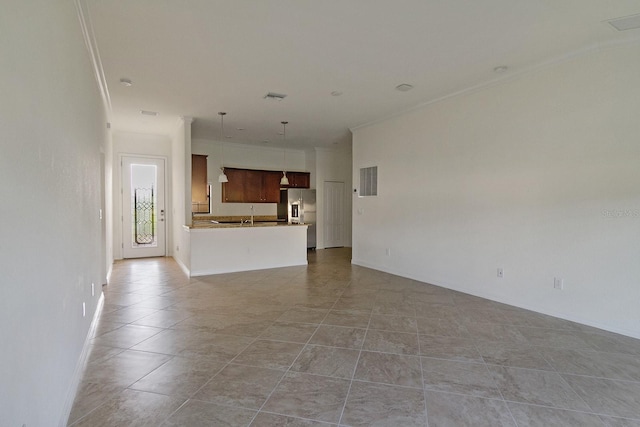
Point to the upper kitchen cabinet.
(299, 180)
(251, 186)
(262, 186)
(234, 190)
(271, 186)
(199, 184)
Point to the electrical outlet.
(500, 273)
(93, 289)
(388, 252)
(84, 310)
(558, 283)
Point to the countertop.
(197, 224)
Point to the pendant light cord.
(284, 150)
(222, 114)
(223, 176)
(284, 180)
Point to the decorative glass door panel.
(143, 219)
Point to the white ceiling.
(198, 57)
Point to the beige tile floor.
(336, 344)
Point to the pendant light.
(284, 180)
(222, 177)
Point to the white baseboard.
(222, 270)
(182, 266)
(109, 271)
(80, 365)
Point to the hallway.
(336, 344)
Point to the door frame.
(118, 229)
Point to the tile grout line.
(127, 387)
(495, 385)
(292, 363)
(365, 285)
(598, 414)
(424, 391)
(225, 365)
(355, 368)
(574, 391)
(486, 367)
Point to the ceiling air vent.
(626, 23)
(275, 96)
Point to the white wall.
(52, 126)
(227, 250)
(533, 175)
(180, 179)
(333, 165)
(108, 212)
(246, 157)
(137, 144)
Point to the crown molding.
(94, 54)
(557, 60)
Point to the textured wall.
(537, 175)
(52, 127)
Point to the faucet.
(247, 221)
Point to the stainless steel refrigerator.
(298, 206)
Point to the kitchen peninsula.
(213, 248)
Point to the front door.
(143, 209)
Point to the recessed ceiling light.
(500, 69)
(404, 87)
(275, 96)
(126, 82)
(149, 113)
(336, 93)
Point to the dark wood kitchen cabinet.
(271, 186)
(199, 184)
(233, 191)
(251, 186)
(299, 179)
(262, 186)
